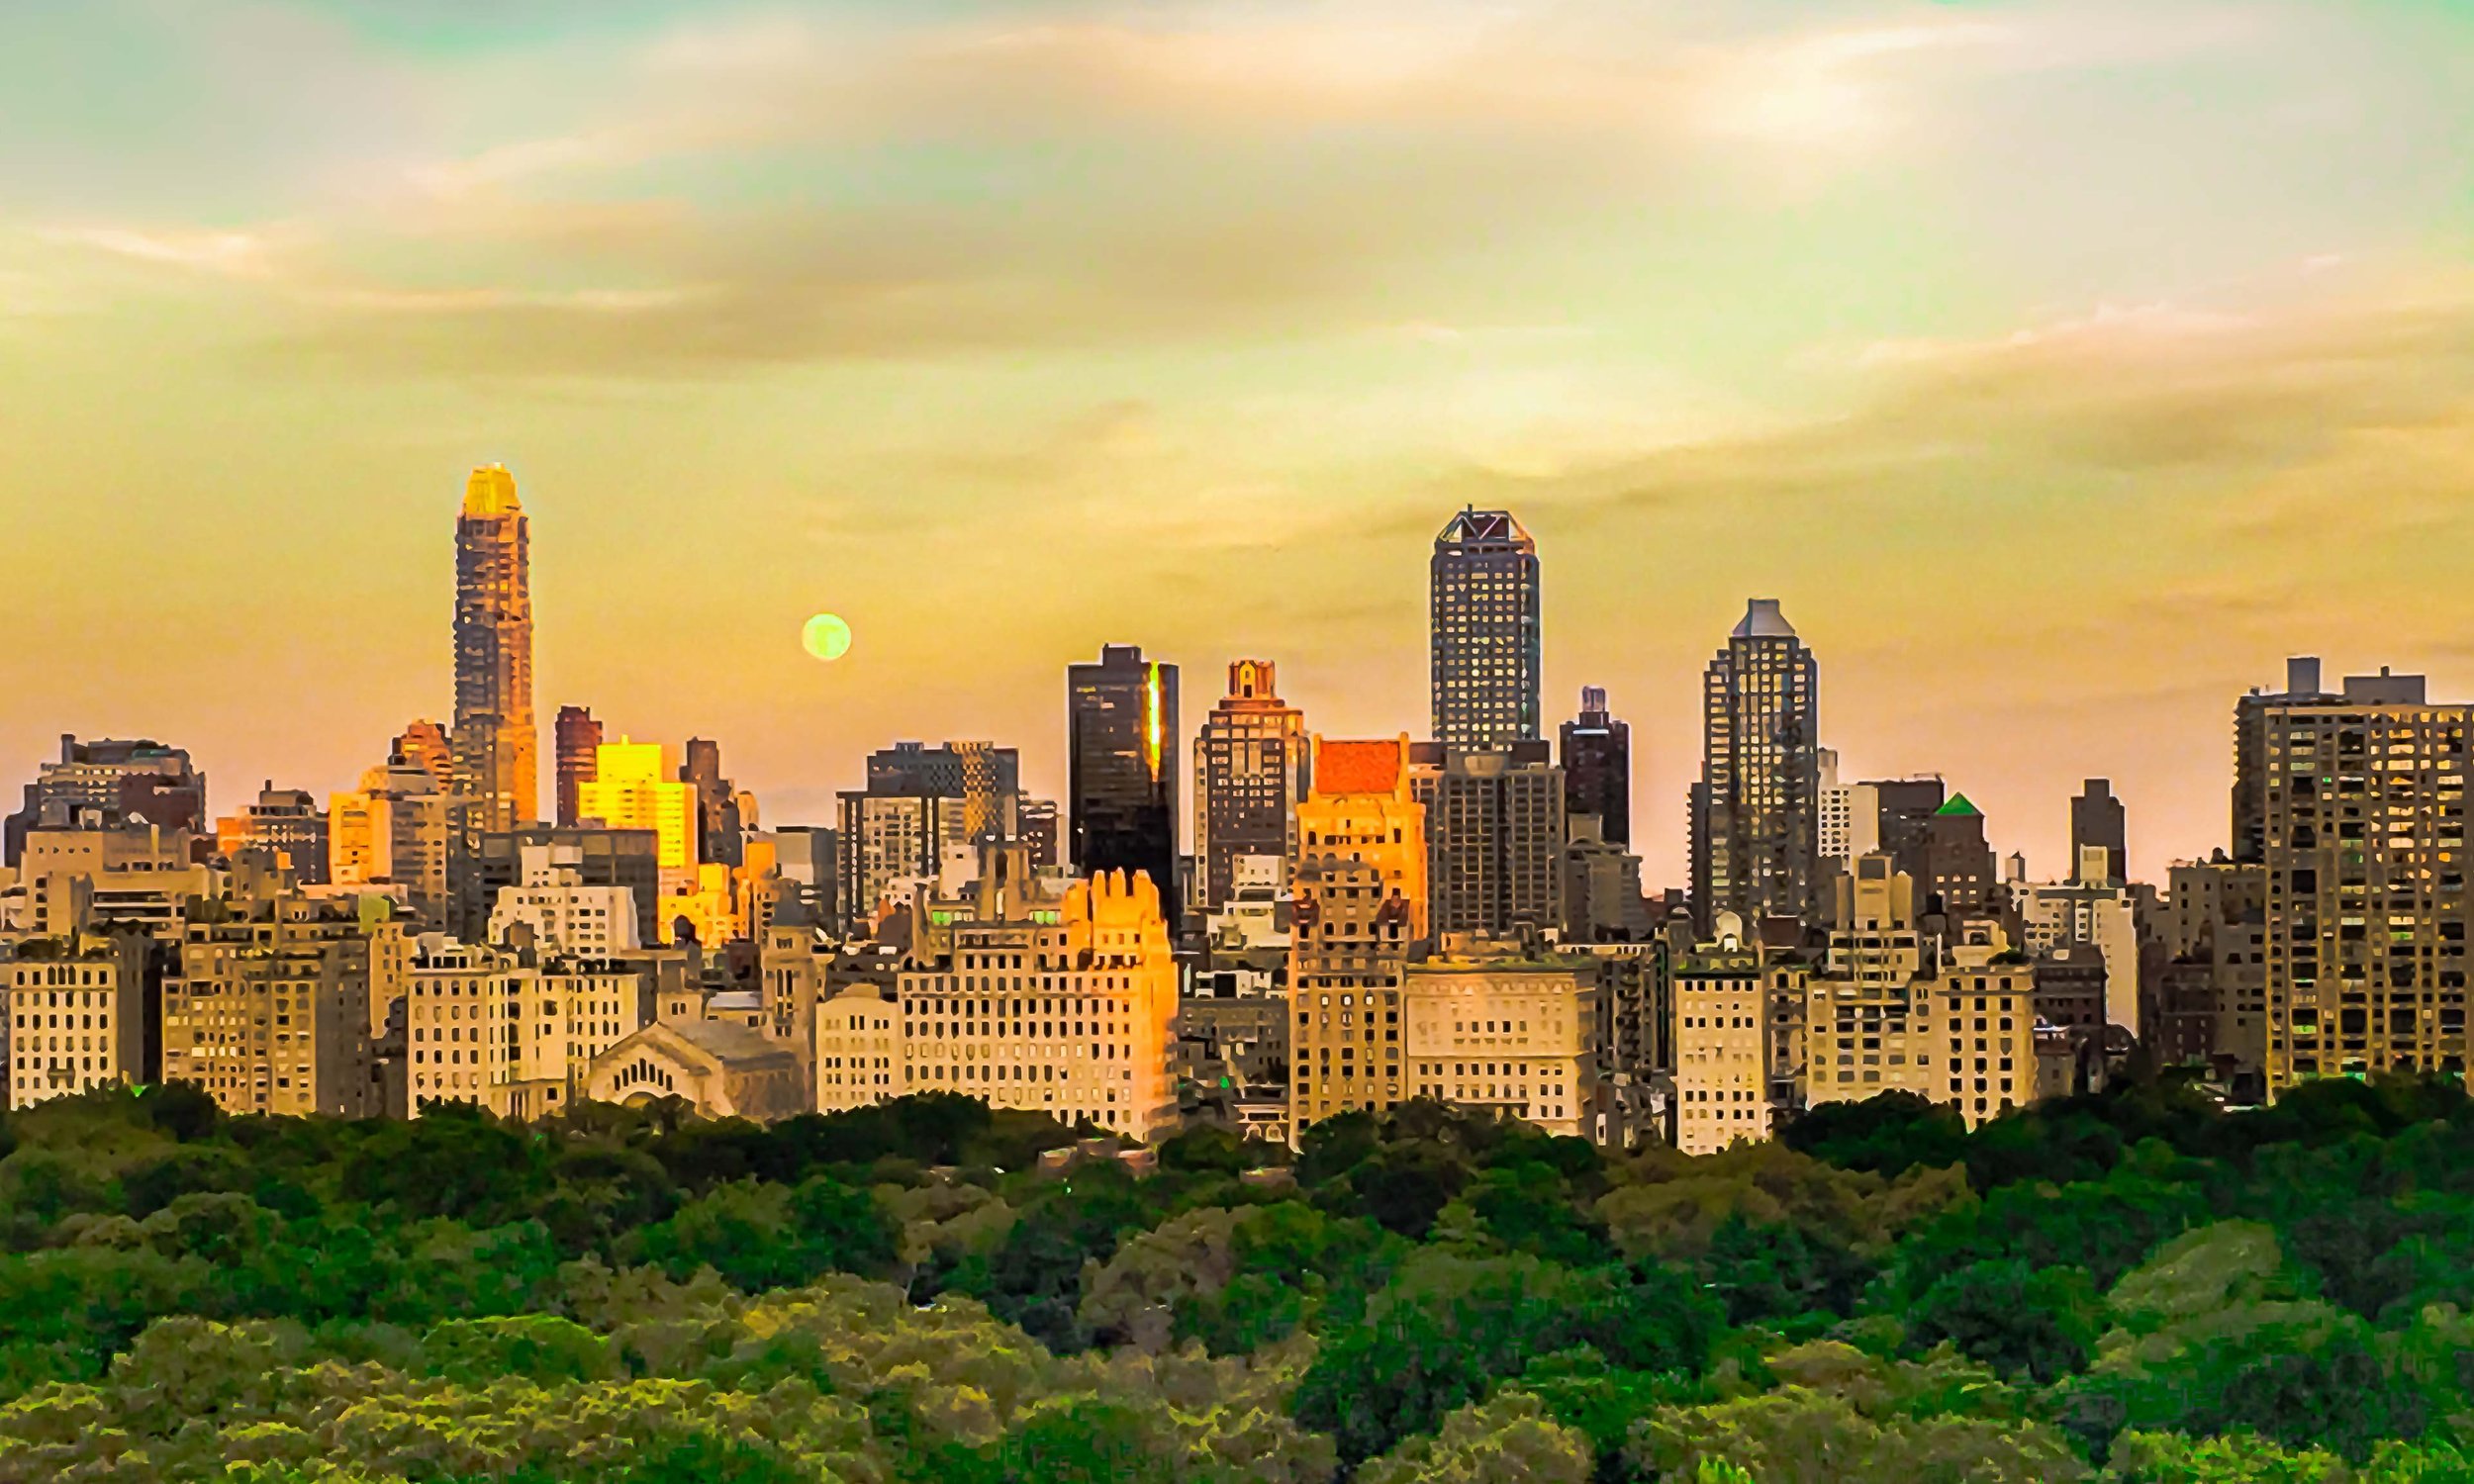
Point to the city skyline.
(2008, 831)
(2082, 420)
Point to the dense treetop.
(2135, 1287)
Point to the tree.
(1511, 1440)
(2017, 1319)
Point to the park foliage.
(2136, 1287)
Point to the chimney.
(2302, 676)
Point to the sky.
(2062, 367)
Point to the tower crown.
(491, 492)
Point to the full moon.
(826, 636)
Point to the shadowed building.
(1494, 837)
(579, 740)
(1597, 768)
(1483, 613)
(1121, 758)
(2097, 823)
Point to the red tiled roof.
(1358, 767)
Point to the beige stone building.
(483, 1026)
(1491, 1026)
(139, 878)
(1723, 1043)
(1023, 989)
(75, 1016)
(396, 828)
(267, 1008)
(1952, 1023)
(724, 1070)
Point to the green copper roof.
(1958, 805)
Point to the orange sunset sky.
(2062, 366)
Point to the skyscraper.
(1597, 768)
(718, 824)
(1250, 772)
(1484, 610)
(2096, 823)
(1756, 810)
(1121, 762)
(1494, 836)
(579, 739)
(497, 767)
(2363, 819)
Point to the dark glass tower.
(579, 739)
(1121, 753)
(1597, 768)
(1484, 613)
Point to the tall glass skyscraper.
(1484, 610)
(1756, 812)
(497, 756)
(1121, 753)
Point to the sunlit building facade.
(632, 790)
(1025, 991)
(496, 757)
(1250, 772)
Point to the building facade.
(497, 753)
(2098, 822)
(1756, 827)
(1251, 770)
(579, 741)
(1596, 757)
(2362, 828)
(107, 784)
(560, 915)
(268, 1009)
(398, 828)
(285, 823)
(1722, 1039)
(1025, 990)
(631, 789)
(1494, 837)
(1484, 624)
(1121, 739)
(1494, 1028)
(489, 1028)
(77, 1016)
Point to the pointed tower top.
(1763, 620)
(491, 492)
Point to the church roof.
(1763, 620)
(1958, 805)
(724, 1042)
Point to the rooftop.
(1763, 620)
(1958, 805)
(1487, 527)
(1358, 767)
(492, 492)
